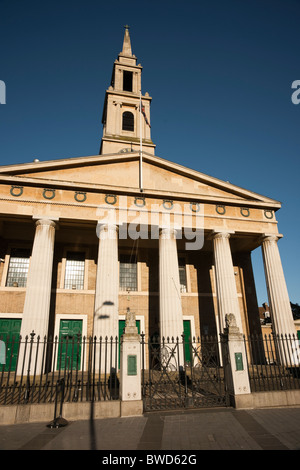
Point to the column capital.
(167, 233)
(271, 237)
(45, 221)
(107, 230)
(221, 234)
(105, 226)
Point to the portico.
(221, 262)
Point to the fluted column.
(225, 281)
(279, 302)
(38, 291)
(171, 321)
(107, 283)
(36, 310)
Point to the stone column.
(38, 290)
(279, 302)
(106, 309)
(171, 321)
(225, 280)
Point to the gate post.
(130, 370)
(235, 363)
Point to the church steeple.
(122, 127)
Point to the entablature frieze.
(17, 186)
(90, 202)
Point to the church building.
(84, 239)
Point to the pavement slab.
(193, 431)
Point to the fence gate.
(173, 379)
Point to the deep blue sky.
(219, 72)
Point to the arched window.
(127, 121)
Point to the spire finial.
(126, 43)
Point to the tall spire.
(126, 43)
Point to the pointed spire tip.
(126, 43)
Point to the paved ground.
(209, 429)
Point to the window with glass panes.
(128, 272)
(18, 267)
(127, 121)
(74, 272)
(182, 275)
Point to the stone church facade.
(83, 240)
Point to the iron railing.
(181, 373)
(273, 362)
(33, 367)
(175, 373)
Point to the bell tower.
(126, 113)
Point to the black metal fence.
(182, 373)
(175, 373)
(186, 373)
(273, 362)
(32, 368)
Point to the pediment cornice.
(32, 174)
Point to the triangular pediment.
(120, 173)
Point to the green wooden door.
(187, 340)
(121, 331)
(10, 334)
(69, 349)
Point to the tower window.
(127, 81)
(127, 121)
